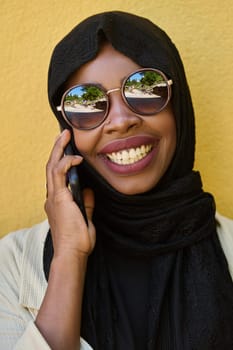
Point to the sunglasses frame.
(168, 82)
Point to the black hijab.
(168, 233)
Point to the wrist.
(69, 261)
(64, 253)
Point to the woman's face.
(124, 134)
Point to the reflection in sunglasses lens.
(85, 106)
(146, 92)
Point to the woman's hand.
(69, 231)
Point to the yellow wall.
(203, 32)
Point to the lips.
(129, 155)
(131, 142)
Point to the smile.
(129, 156)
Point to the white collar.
(33, 283)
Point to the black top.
(130, 294)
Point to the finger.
(55, 155)
(89, 202)
(59, 146)
(60, 170)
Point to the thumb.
(89, 202)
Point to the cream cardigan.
(23, 284)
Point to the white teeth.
(129, 156)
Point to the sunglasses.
(146, 92)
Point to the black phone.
(74, 183)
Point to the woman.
(148, 271)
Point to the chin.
(133, 188)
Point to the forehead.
(109, 68)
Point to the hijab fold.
(172, 227)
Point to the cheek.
(168, 133)
(165, 125)
(86, 141)
(171, 134)
(171, 138)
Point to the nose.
(120, 117)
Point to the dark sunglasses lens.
(85, 106)
(146, 92)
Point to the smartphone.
(74, 183)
